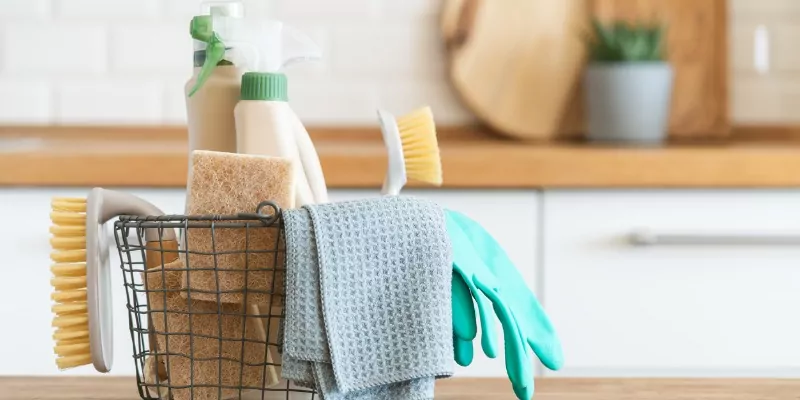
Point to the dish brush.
(413, 149)
(81, 272)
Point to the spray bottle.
(213, 90)
(265, 124)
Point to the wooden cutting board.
(515, 63)
(518, 64)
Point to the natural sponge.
(205, 344)
(226, 183)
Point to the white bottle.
(265, 123)
(213, 90)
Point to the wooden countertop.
(114, 388)
(355, 158)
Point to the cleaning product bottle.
(213, 90)
(265, 124)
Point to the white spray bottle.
(213, 90)
(265, 124)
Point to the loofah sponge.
(220, 342)
(226, 183)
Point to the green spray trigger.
(202, 29)
(214, 54)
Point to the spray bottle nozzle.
(259, 45)
(202, 29)
(214, 54)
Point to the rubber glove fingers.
(548, 351)
(523, 393)
(464, 325)
(518, 365)
(488, 334)
(462, 351)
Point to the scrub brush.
(412, 148)
(81, 273)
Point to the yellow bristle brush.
(413, 149)
(81, 273)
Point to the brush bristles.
(71, 317)
(420, 146)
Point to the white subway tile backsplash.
(32, 9)
(174, 101)
(783, 40)
(327, 10)
(759, 10)
(107, 9)
(409, 9)
(765, 100)
(186, 9)
(109, 102)
(126, 61)
(152, 48)
(24, 102)
(401, 98)
(182, 10)
(334, 102)
(52, 49)
(391, 51)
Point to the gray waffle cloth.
(368, 309)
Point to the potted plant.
(628, 84)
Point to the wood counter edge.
(124, 388)
(755, 157)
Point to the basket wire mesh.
(152, 379)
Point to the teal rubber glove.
(464, 319)
(464, 327)
(535, 326)
(481, 282)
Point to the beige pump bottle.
(265, 124)
(213, 90)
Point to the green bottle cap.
(265, 86)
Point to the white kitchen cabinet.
(27, 346)
(512, 216)
(687, 310)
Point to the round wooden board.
(516, 63)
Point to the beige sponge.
(204, 336)
(226, 183)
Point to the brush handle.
(101, 206)
(396, 165)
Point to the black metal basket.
(153, 358)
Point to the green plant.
(625, 42)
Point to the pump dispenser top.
(265, 124)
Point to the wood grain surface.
(515, 63)
(108, 388)
(472, 159)
(697, 46)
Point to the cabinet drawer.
(718, 301)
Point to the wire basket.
(211, 350)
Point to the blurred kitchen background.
(79, 62)
(675, 259)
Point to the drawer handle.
(646, 237)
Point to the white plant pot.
(628, 103)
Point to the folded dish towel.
(368, 308)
